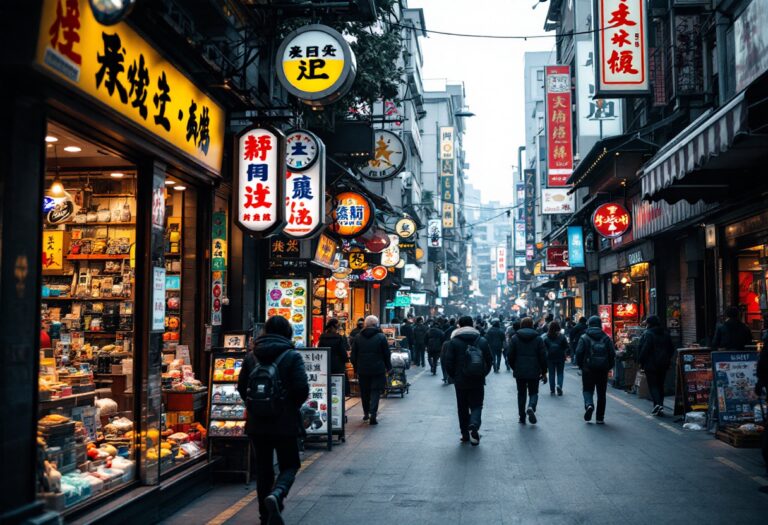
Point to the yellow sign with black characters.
(117, 67)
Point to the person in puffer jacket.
(595, 355)
(528, 360)
(495, 338)
(372, 360)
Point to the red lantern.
(377, 242)
(611, 220)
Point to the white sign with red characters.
(622, 48)
(559, 137)
(501, 260)
(305, 193)
(260, 180)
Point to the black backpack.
(598, 355)
(474, 362)
(266, 395)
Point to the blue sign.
(48, 204)
(576, 246)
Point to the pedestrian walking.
(449, 330)
(419, 342)
(655, 356)
(339, 345)
(544, 323)
(467, 362)
(372, 361)
(556, 346)
(577, 331)
(495, 338)
(274, 385)
(434, 343)
(732, 334)
(528, 360)
(595, 355)
(357, 329)
(508, 335)
(406, 330)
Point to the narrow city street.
(411, 469)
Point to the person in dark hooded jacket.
(419, 342)
(339, 345)
(279, 434)
(732, 334)
(357, 329)
(577, 331)
(528, 360)
(470, 390)
(655, 356)
(372, 360)
(434, 343)
(556, 346)
(495, 338)
(595, 355)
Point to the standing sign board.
(559, 127)
(735, 376)
(338, 406)
(694, 379)
(622, 48)
(317, 411)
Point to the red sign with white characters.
(625, 311)
(260, 187)
(557, 259)
(605, 312)
(622, 48)
(558, 128)
(611, 220)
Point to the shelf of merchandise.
(94, 299)
(75, 400)
(99, 223)
(97, 257)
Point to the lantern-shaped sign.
(260, 186)
(315, 64)
(377, 242)
(611, 220)
(305, 179)
(352, 214)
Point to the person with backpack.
(467, 361)
(339, 345)
(528, 360)
(419, 342)
(732, 334)
(434, 343)
(595, 355)
(655, 356)
(577, 331)
(495, 338)
(556, 345)
(371, 358)
(274, 385)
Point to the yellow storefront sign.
(114, 65)
(53, 250)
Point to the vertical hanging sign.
(305, 179)
(622, 48)
(530, 217)
(218, 264)
(447, 158)
(260, 185)
(558, 128)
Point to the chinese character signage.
(53, 250)
(622, 48)
(325, 253)
(316, 412)
(501, 260)
(288, 298)
(260, 187)
(448, 215)
(556, 201)
(576, 246)
(435, 233)
(557, 259)
(447, 189)
(388, 157)
(598, 117)
(305, 189)
(530, 216)
(352, 214)
(282, 247)
(219, 241)
(611, 220)
(444, 289)
(625, 312)
(117, 67)
(315, 64)
(605, 312)
(558, 128)
(446, 143)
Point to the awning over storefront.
(610, 161)
(713, 157)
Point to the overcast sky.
(492, 71)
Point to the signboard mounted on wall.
(621, 48)
(305, 180)
(389, 157)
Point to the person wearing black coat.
(357, 329)
(593, 378)
(419, 342)
(556, 345)
(732, 334)
(470, 390)
(528, 360)
(276, 435)
(434, 344)
(495, 338)
(406, 330)
(577, 331)
(371, 358)
(655, 356)
(339, 346)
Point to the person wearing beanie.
(654, 356)
(595, 355)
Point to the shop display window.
(752, 288)
(86, 436)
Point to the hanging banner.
(316, 64)
(501, 260)
(556, 201)
(530, 217)
(389, 156)
(443, 284)
(446, 143)
(611, 220)
(352, 214)
(217, 291)
(260, 185)
(53, 250)
(305, 191)
(435, 233)
(621, 48)
(447, 188)
(519, 236)
(576, 246)
(449, 215)
(598, 117)
(559, 127)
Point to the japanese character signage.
(435, 233)
(557, 259)
(352, 214)
(315, 64)
(611, 220)
(388, 156)
(598, 117)
(446, 143)
(288, 298)
(405, 228)
(576, 246)
(219, 241)
(556, 201)
(622, 47)
(559, 127)
(260, 186)
(302, 150)
(305, 192)
(53, 250)
(117, 67)
(519, 236)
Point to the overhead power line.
(506, 37)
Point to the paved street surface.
(411, 469)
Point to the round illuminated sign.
(111, 12)
(388, 157)
(352, 214)
(316, 65)
(405, 228)
(611, 220)
(379, 273)
(302, 150)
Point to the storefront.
(126, 152)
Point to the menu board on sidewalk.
(288, 298)
(694, 379)
(317, 412)
(337, 403)
(735, 375)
